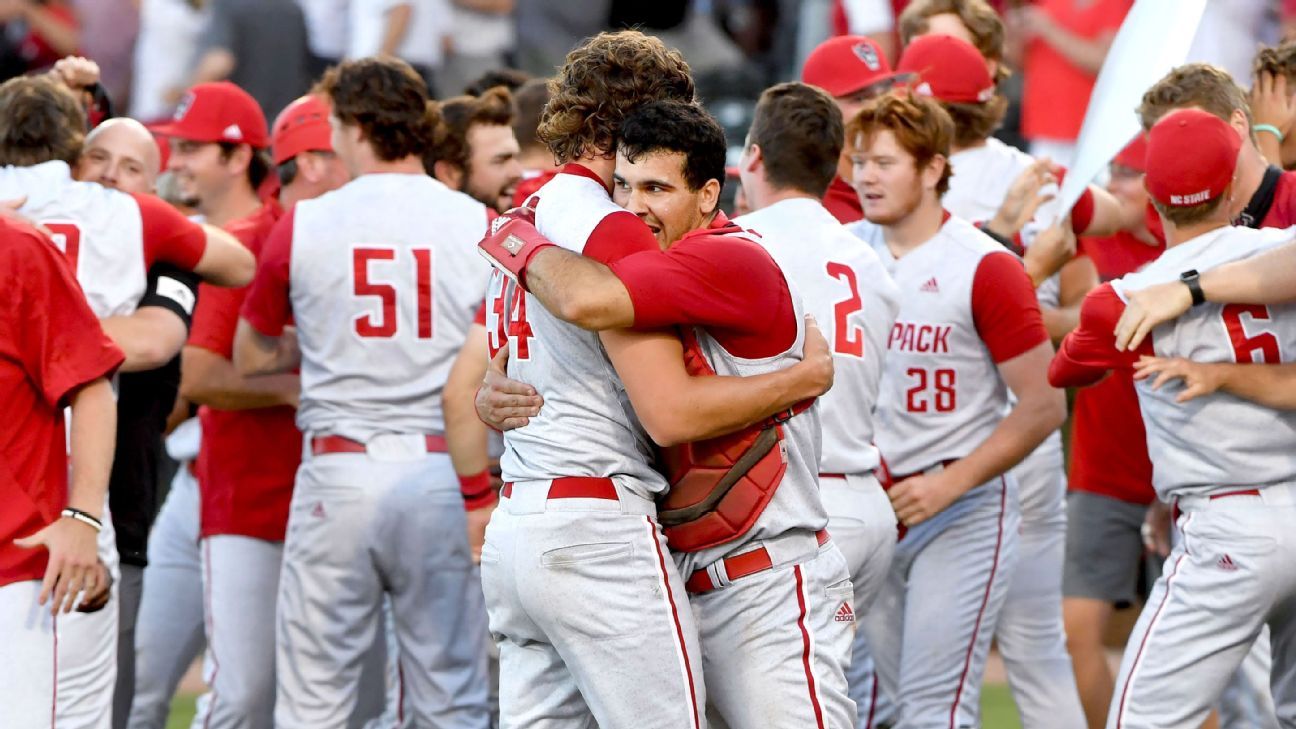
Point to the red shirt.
(248, 458)
(1089, 351)
(1108, 441)
(50, 344)
(1056, 93)
(713, 279)
(842, 201)
(1282, 213)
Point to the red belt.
(894, 479)
(1240, 492)
(338, 444)
(575, 487)
(739, 566)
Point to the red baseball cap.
(948, 69)
(302, 126)
(846, 64)
(1134, 156)
(218, 112)
(1191, 156)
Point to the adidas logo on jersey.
(318, 511)
(930, 286)
(1227, 564)
(845, 614)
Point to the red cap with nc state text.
(1191, 157)
(949, 69)
(218, 112)
(846, 64)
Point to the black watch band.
(1192, 280)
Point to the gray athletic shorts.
(1103, 548)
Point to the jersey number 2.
(847, 338)
(385, 325)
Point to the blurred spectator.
(108, 31)
(35, 34)
(687, 26)
(416, 31)
(168, 33)
(1273, 104)
(475, 151)
(259, 46)
(548, 29)
(873, 18)
(326, 29)
(1066, 42)
(1231, 30)
(482, 35)
(536, 159)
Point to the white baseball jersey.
(941, 394)
(854, 301)
(587, 426)
(1218, 442)
(980, 181)
(383, 279)
(101, 232)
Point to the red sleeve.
(58, 338)
(169, 237)
(215, 319)
(1004, 307)
(480, 317)
(617, 236)
(267, 306)
(1088, 352)
(728, 285)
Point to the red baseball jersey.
(50, 344)
(528, 186)
(1108, 440)
(248, 458)
(1282, 211)
(842, 201)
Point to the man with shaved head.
(122, 154)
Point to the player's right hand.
(73, 562)
(1156, 529)
(505, 404)
(1023, 198)
(1052, 249)
(1147, 308)
(477, 521)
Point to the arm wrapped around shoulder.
(511, 245)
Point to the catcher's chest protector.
(719, 487)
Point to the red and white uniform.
(381, 278)
(1030, 632)
(110, 238)
(713, 280)
(245, 470)
(1226, 463)
(842, 201)
(966, 307)
(50, 344)
(854, 301)
(574, 563)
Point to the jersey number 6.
(386, 324)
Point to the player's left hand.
(1147, 308)
(1198, 378)
(918, 498)
(505, 404)
(76, 72)
(477, 521)
(1050, 251)
(816, 359)
(1156, 529)
(73, 562)
(93, 602)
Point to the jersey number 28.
(385, 324)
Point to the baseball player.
(112, 240)
(250, 445)
(1110, 481)
(769, 570)
(380, 278)
(475, 151)
(852, 69)
(534, 157)
(55, 355)
(968, 331)
(1030, 630)
(1231, 573)
(785, 165)
(575, 565)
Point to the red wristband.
(1082, 213)
(476, 490)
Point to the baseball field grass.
(997, 710)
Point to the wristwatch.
(1192, 280)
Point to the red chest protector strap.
(719, 487)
